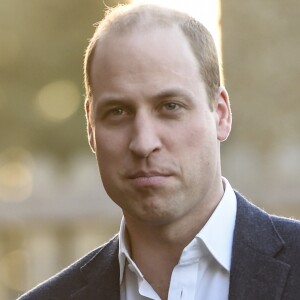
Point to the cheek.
(109, 144)
(199, 146)
(199, 136)
(111, 149)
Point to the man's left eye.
(171, 106)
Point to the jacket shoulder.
(286, 223)
(63, 284)
(266, 254)
(260, 223)
(289, 230)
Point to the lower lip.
(150, 181)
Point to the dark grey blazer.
(265, 264)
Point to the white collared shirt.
(203, 269)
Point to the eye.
(116, 111)
(114, 114)
(171, 106)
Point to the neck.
(156, 250)
(174, 235)
(156, 247)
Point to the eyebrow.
(174, 92)
(111, 100)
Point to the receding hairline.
(130, 15)
(139, 17)
(102, 44)
(125, 18)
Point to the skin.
(157, 142)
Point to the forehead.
(155, 47)
(142, 64)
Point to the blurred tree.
(41, 43)
(261, 62)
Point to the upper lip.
(148, 174)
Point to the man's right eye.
(116, 111)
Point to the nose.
(145, 136)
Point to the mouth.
(149, 179)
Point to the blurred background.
(53, 208)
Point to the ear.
(90, 127)
(223, 114)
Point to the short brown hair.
(124, 18)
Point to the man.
(156, 115)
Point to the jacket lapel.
(101, 275)
(255, 271)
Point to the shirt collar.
(124, 255)
(217, 233)
(123, 252)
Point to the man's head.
(126, 18)
(152, 124)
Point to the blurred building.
(262, 68)
(53, 208)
